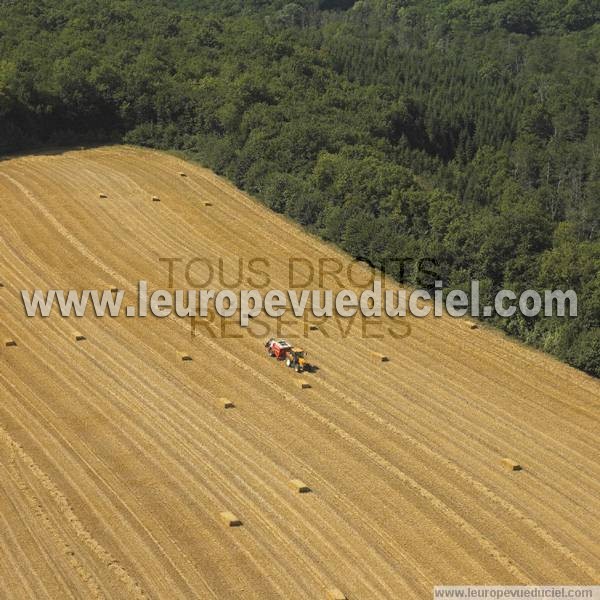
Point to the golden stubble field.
(117, 457)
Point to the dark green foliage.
(462, 131)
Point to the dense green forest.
(466, 131)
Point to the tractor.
(295, 358)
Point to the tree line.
(463, 131)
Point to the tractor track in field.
(449, 513)
(71, 239)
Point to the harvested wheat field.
(123, 475)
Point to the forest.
(465, 132)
